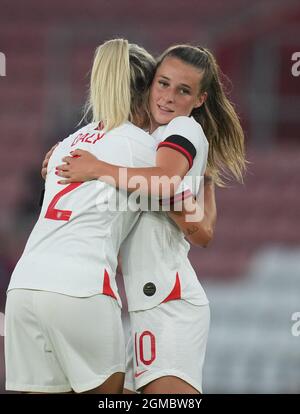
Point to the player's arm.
(171, 166)
(198, 217)
(44, 171)
(175, 155)
(46, 161)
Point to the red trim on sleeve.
(176, 291)
(178, 197)
(107, 290)
(177, 147)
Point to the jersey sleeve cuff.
(177, 198)
(182, 145)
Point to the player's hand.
(46, 161)
(80, 166)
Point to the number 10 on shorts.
(145, 348)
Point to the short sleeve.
(185, 135)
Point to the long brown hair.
(217, 115)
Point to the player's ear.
(200, 100)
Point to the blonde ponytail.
(109, 96)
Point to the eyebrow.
(182, 84)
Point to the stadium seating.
(251, 348)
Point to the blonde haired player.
(63, 323)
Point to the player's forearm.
(210, 207)
(154, 181)
(196, 232)
(196, 222)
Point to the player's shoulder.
(86, 129)
(185, 127)
(128, 129)
(90, 128)
(132, 134)
(185, 122)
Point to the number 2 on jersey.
(55, 214)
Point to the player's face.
(175, 91)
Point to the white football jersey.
(155, 260)
(74, 245)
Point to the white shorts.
(58, 343)
(169, 339)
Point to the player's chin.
(164, 119)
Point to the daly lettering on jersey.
(89, 138)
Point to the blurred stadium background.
(251, 272)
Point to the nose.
(169, 96)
